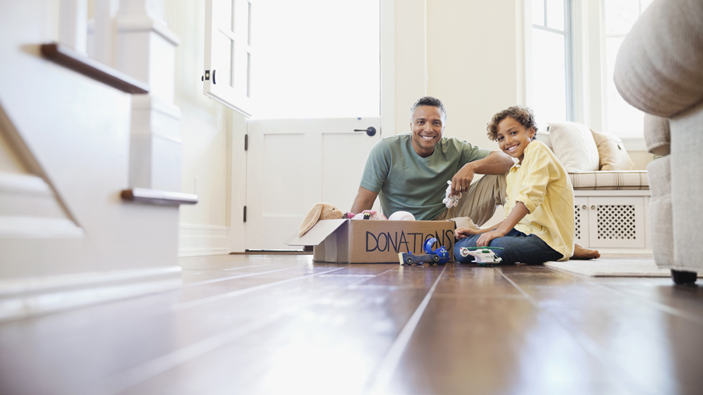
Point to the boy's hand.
(461, 233)
(487, 237)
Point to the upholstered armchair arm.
(659, 68)
(657, 135)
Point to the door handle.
(370, 130)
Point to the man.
(409, 172)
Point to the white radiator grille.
(577, 222)
(616, 222)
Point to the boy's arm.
(516, 214)
(462, 232)
(495, 163)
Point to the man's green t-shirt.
(405, 181)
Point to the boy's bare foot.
(584, 253)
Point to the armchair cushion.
(658, 67)
(657, 134)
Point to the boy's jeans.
(517, 247)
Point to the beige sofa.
(659, 70)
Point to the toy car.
(484, 256)
(438, 256)
(407, 258)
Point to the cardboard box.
(368, 241)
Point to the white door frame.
(236, 125)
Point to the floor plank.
(631, 336)
(283, 324)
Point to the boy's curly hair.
(521, 114)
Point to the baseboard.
(24, 297)
(196, 240)
(624, 251)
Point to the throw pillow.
(613, 155)
(573, 144)
(545, 138)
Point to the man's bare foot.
(584, 253)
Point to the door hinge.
(246, 142)
(245, 214)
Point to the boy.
(539, 222)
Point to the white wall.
(410, 59)
(467, 54)
(473, 62)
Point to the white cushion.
(545, 138)
(610, 180)
(573, 144)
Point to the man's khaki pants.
(479, 204)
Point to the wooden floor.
(280, 324)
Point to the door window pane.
(538, 12)
(620, 118)
(224, 58)
(548, 77)
(620, 15)
(241, 20)
(316, 59)
(555, 14)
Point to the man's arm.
(495, 163)
(363, 201)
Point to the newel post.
(73, 26)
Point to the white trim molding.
(24, 184)
(197, 240)
(30, 209)
(38, 227)
(30, 296)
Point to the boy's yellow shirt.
(541, 183)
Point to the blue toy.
(438, 256)
(441, 251)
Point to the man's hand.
(462, 179)
(495, 163)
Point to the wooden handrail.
(152, 196)
(92, 68)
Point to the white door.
(315, 85)
(293, 164)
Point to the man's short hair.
(522, 114)
(429, 101)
